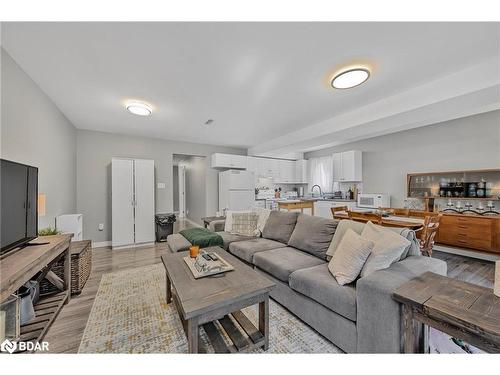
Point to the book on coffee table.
(201, 267)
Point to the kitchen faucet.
(319, 187)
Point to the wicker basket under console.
(81, 265)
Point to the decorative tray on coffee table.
(207, 264)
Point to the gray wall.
(175, 188)
(35, 132)
(196, 183)
(467, 143)
(94, 153)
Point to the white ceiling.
(260, 82)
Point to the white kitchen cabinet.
(286, 171)
(229, 161)
(252, 165)
(347, 166)
(301, 171)
(323, 208)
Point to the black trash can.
(164, 226)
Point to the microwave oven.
(374, 200)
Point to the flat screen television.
(19, 210)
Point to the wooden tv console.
(20, 266)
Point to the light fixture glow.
(350, 78)
(140, 109)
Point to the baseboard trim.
(142, 244)
(467, 253)
(101, 244)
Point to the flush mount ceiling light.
(139, 109)
(350, 78)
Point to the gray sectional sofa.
(360, 317)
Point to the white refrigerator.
(236, 190)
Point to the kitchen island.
(297, 204)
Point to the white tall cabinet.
(132, 199)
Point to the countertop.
(308, 199)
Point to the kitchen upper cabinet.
(301, 171)
(252, 165)
(286, 171)
(281, 171)
(347, 166)
(229, 161)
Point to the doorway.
(190, 176)
(181, 177)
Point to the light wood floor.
(65, 334)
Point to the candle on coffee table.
(194, 251)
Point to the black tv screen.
(19, 211)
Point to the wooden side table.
(462, 310)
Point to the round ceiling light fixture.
(139, 109)
(350, 78)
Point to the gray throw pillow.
(280, 225)
(313, 234)
(387, 249)
(350, 257)
(342, 227)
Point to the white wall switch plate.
(160, 185)
(101, 227)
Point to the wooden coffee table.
(466, 311)
(201, 302)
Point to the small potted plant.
(48, 232)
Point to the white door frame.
(181, 170)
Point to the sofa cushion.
(280, 225)
(229, 238)
(177, 242)
(318, 284)
(280, 263)
(389, 247)
(246, 249)
(350, 257)
(262, 220)
(313, 234)
(414, 248)
(342, 227)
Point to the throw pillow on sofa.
(228, 225)
(244, 224)
(388, 248)
(341, 229)
(313, 234)
(280, 225)
(263, 216)
(350, 257)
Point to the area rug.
(130, 315)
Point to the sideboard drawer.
(465, 231)
(483, 243)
